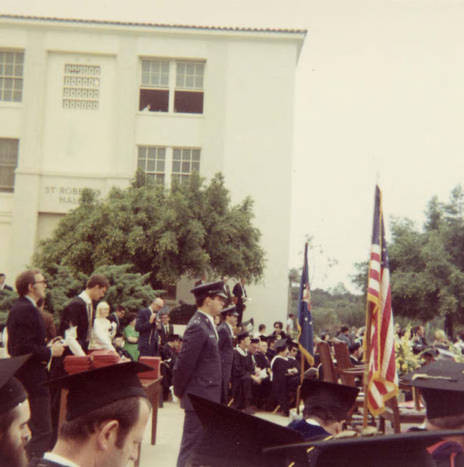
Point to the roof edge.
(153, 25)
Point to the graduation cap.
(377, 451)
(441, 383)
(12, 392)
(280, 345)
(211, 289)
(90, 390)
(337, 398)
(230, 311)
(233, 438)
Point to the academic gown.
(242, 369)
(279, 392)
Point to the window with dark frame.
(172, 86)
(8, 163)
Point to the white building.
(84, 103)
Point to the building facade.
(86, 103)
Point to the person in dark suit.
(240, 297)
(3, 285)
(226, 348)
(116, 317)
(26, 334)
(146, 326)
(80, 311)
(198, 366)
(165, 328)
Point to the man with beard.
(14, 415)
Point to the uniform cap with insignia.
(233, 438)
(402, 449)
(441, 383)
(12, 391)
(90, 390)
(337, 398)
(211, 289)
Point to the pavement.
(169, 434)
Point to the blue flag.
(305, 323)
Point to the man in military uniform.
(198, 367)
(226, 348)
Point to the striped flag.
(305, 323)
(382, 383)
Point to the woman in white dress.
(101, 335)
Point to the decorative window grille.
(81, 88)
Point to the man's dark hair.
(120, 308)
(125, 411)
(344, 329)
(173, 337)
(25, 279)
(261, 327)
(98, 279)
(2, 274)
(278, 323)
(354, 346)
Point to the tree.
(166, 234)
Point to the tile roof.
(154, 25)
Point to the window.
(152, 161)
(11, 76)
(184, 162)
(8, 163)
(154, 94)
(189, 87)
(81, 89)
(167, 165)
(172, 86)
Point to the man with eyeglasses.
(26, 334)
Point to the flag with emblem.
(305, 324)
(382, 381)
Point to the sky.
(379, 99)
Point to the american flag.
(382, 383)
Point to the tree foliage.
(188, 230)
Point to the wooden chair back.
(328, 368)
(342, 356)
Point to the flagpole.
(367, 336)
